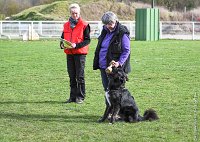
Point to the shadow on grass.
(50, 118)
(74, 118)
(31, 102)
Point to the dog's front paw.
(112, 121)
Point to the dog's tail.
(150, 115)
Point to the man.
(77, 32)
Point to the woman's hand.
(116, 64)
(73, 45)
(61, 45)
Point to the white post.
(160, 30)
(32, 30)
(0, 29)
(40, 27)
(29, 32)
(130, 27)
(192, 30)
(19, 29)
(99, 27)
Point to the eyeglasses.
(110, 24)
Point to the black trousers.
(75, 69)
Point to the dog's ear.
(123, 73)
(122, 77)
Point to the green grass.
(34, 84)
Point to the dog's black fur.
(122, 103)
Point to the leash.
(107, 98)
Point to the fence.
(53, 29)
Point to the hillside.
(58, 11)
(91, 11)
(54, 11)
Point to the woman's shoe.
(79, 101)
(70, 100)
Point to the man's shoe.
(69, 100)
(79, 101)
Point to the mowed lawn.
(34, 84)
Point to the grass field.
(34, 84)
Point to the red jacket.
(75, 36)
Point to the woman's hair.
(109, 17)
(74, 5)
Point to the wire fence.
(53, 29)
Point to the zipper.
(71, 41)
(71, 36)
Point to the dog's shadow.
(62, 117)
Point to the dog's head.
(117, 79)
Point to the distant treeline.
(10, 7)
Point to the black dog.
(120, 102)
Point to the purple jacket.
(104, 48)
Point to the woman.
(77, 32)
(113, 44)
